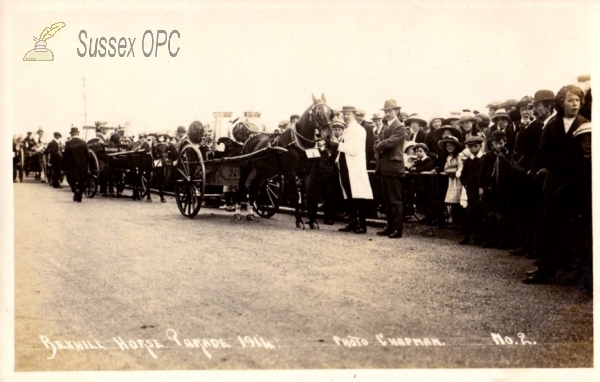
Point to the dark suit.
(586, 108)
(75, 161)
(390, 165)
(469, 178)
(370, 142)
(55, 160)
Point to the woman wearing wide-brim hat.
(445, 131)
(459, 145)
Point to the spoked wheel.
(189, 181)
(269, 196)
(93, 176)
(143, 185)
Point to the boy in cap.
(469, 178)
(494, 184)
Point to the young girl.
(452, 146)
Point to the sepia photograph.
(317, 190)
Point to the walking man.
(75, 160)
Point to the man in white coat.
(351, 161)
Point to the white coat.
(353, 145)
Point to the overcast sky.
(432, 58)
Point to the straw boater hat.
(437, 134)
(500, 113)
(585, 128)
(390, 104)
(415, 118)
(346, 109)
(453, 139)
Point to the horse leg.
(147, 186)
(240, 195)
(311, 194)
(252, 196)
(296, 200)
(162, 180)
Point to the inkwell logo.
(41, 53)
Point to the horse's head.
(162, 151)
(316, 119)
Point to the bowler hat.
(497, 135)
(473, 139)
(74, 130)
(524, 102)
(294, 116)
(376, 117)
(543, 95)
(585, 128)
(415, 118)
(468, 116)
(500, 113)
(390, 104)
(423, 146)
(181, 129)
(452, 139)
(57, 135)
(437, 134)
(346, 109)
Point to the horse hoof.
(250, 218)
(237, 217)
(149, 200)
(163, 201)
(300, 225)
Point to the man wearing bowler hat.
(55, 159)
(526, 187)
(389, 151)
(75, 161)
(352, 165)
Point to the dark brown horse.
(298, 162)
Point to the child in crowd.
(469, 178)
(453, 168)
(423, 184)
(494, 184)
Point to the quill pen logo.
(41, 53)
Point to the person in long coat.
(389, 151)
(352, 165)
(75, 162)
(554, 151)
(55, 159)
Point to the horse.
(300, 142)
(165, 153)
(140, 165)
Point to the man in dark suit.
(55, 159)
(524, 187)
(360, 118)
(75, 161)
(389, 151)
(553, 232)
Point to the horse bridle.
(319, 127)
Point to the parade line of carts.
(190, 176)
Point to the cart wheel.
(269, 196)
(21, 164)
(91, 181)
(190, 178)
